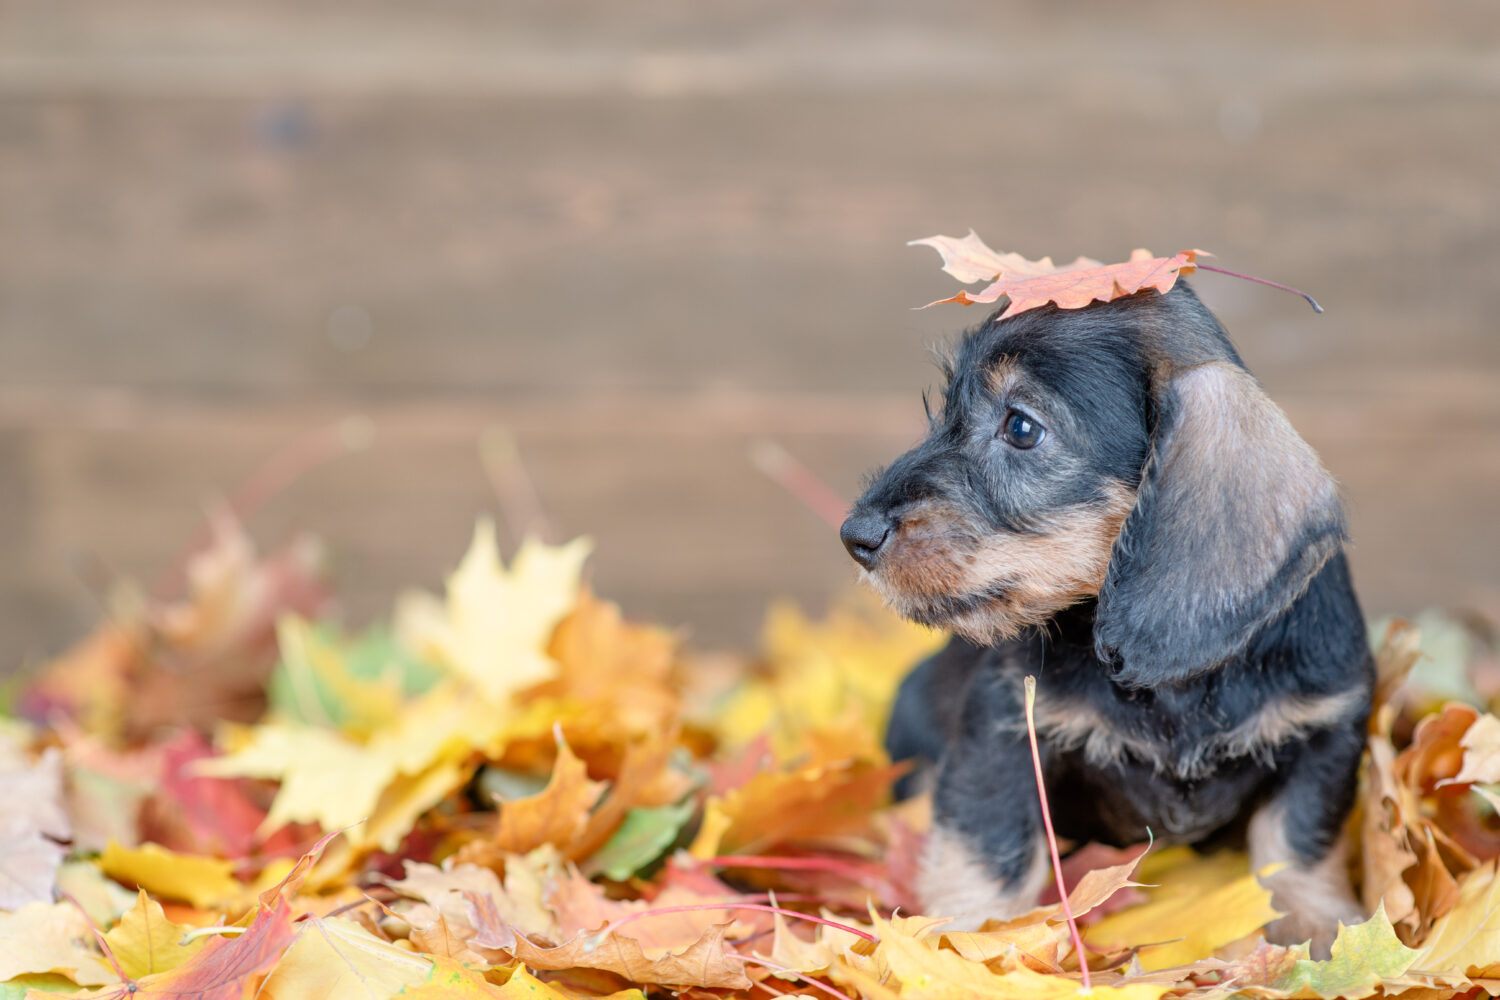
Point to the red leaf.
(226, 967)
(1029, 284)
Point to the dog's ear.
(1235, 516)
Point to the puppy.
(1110, 502)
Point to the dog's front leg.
(1301, 827)
(986, 856)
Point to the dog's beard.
(985, 618)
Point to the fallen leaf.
(557, 816)
(450, 980)
(357, 684)
(225, 968)
(336, 959)
(1181, 923)
(707, 962)
(1362, 956)
(1468, 937)
(802, 804)
(40, 938)
(145, 941)
(642, 838)
(495, 627)
(1029, 284)
(30, 829)
(201, 881)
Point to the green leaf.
(1362, 956)
(47, 982)
(642, 838)
(319, 667)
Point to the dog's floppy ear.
(1235, 516)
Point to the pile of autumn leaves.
(512, 792)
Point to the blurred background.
(634, 239)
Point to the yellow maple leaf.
(310, 660)
(1468, 937)
(202, 881)
(336, 959)
(41, 938)
(1195, 910)
(495, 626)
(376, 789)
(927, 971)
(325, 777)
(145, 941)
(839, 674)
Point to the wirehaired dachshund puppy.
(1109, 501)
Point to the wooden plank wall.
(644, 236)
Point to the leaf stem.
(1263, 281)
(809, 980)
(98, 937)
(1057, 872)
(797, 479)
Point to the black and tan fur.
(1167, 560)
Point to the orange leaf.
(706, 962)
(811, 803)
(1029, 284)
(557, 816)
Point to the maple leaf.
(1363, 955)
(199, 880)
(927, 971)
(1467, 939)
(838, 675)
(30, 829)
(469, 904)
(707, 962)
(628, 672)
(802, 804)
(335, 959)
(224, 969)
(640, 839)
(51, 938)
(1030, 284)
(1193, 911)
(146, 942)
(195, 813)
(557, 816)
(451, 981)
(495, 627)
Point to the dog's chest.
(1186, 733)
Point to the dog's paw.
(955, 882)
(1314, 920)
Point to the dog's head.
(1121, 451)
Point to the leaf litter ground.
(510, 791)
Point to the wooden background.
(643, 236)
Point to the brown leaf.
(706, 962)
(557, 816)
(1030, 284)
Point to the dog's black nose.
(864, 535)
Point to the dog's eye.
(1020, 431)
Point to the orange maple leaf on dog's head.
(1032, 283)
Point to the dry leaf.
(1029, 284)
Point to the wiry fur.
(1167, 561)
